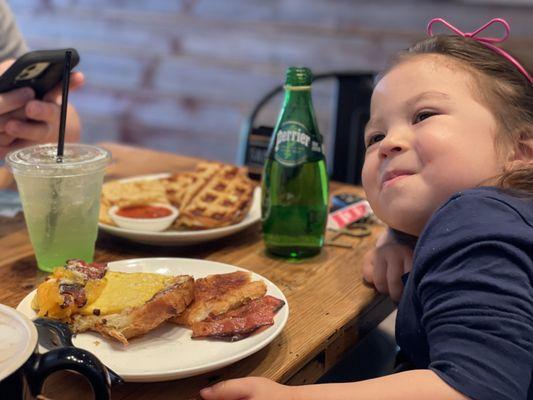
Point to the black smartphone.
(41, 70)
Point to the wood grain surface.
(330, 307)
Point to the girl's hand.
(253, 388)
(384, 265)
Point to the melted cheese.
(124, 290)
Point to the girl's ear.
(523, 149)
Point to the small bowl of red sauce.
(149, 217)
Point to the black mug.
(23, 370)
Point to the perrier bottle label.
(296, 145)
(295, 182)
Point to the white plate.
(168, 352)
(170, 238)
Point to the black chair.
(353, 91)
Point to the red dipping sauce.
(144, 212)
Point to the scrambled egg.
(124, 290)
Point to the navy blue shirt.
(467, 308)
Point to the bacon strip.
(88, 270)
(241, 322)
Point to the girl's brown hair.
(502, 88)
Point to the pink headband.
(487, 41)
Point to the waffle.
(176, 187)
(204, 173)
(223, 200)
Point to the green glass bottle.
(294, 204)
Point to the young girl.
(449, 160)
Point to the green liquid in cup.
(75, 202)
(60, 200)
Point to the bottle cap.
(298, 76)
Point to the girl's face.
(428, 137)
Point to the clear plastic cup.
(61, 200)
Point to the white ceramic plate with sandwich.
(168, 352)
(173, 237)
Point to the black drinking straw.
(51, 218)
(64, 102)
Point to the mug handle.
(40, 366)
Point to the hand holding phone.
(40, 70)
(32, 116)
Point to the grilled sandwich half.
(218, 294)
(116, 304)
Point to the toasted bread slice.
(103, 214)
(217, 294)
(136, 321)
(123, 194)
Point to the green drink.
(61, 200)
(295, 180)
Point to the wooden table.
(330, 308)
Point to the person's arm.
(473, 281)
(12, 44)
(410, 385)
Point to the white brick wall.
(181, 75)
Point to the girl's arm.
(410, 385)
(420, 384)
